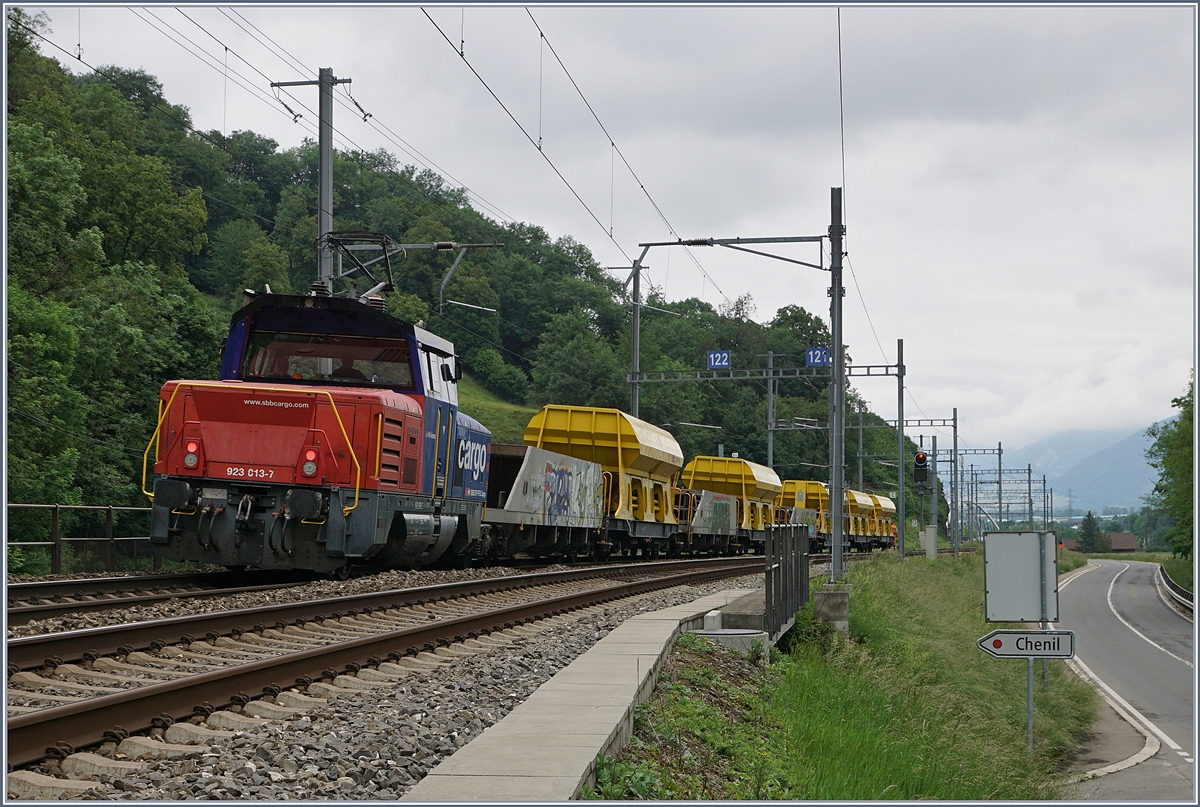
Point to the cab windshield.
(344, 360)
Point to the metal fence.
(1181, 594)
(83, 521)
(787, 554)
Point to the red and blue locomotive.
(332, 438)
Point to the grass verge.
(506, 421)
(1068, 560)
(1180, 570)
(908, 708)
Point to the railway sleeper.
(105, 664)
(271, 711)
(191, 739)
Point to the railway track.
(53, 598)
(67, 690)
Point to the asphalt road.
(1143, 650)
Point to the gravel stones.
(318, 589)
(377, 743)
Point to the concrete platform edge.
(472, 774)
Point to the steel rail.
(95, 586)
(32, 652)
(31, 736)
(22, 614)
(45, 599)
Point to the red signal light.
(310, 455)
(920, 466)
(191, 459)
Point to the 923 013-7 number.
(239, 472)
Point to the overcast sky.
(1020, 182)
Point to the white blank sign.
(1012, 576)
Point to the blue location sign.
(718, 359)
(817, 357)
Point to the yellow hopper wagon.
(883, 522)
(754, 487)
(638, 461)
(804, 501)
(868, 520)
(857, 514)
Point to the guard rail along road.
(1178, 593)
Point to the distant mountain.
(1117, 476)
(1058, 453)
(1099, 468)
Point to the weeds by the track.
(505, 420)
(907, 708)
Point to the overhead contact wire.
(617, 149)
(281, 53)
(532, 142)
(345, 141)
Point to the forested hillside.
(132, 233)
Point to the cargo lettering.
(472, 457)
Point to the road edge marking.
(1145, 721)
(1151, 747)
(1126, 623)
(1079, 572)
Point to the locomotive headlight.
(309, 468)
(191, 458)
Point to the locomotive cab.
(331, 438)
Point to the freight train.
(333, 439)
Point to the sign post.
(1020, 581)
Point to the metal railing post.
(56, 541)
(806, 564)
(769, 582)
(793, 570)
(110, 560)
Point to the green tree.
(266, 266)
(46, 415)
(1090, 536)
(46, 252)
(1171, 455)
(408, 308)
(576, 366)
(505, 380)
(230, 263)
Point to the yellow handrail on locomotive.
(163, 410)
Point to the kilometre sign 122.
(1029, 644)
